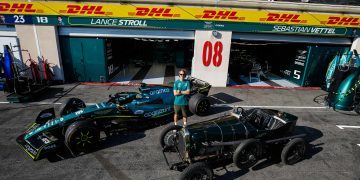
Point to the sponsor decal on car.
(158, 112)
(30, 149)
(139, 112)
(50, 147)
(159, 91)
(45, 126)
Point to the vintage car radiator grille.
(181, 145)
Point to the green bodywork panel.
(344, 99)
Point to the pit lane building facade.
(148, 41)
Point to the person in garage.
(181, 93)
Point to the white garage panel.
(7, 31)
(8, 37)
(291, 38)
(132, 33)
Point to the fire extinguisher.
(48, 74)
(34, 69)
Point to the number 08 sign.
(211, 56)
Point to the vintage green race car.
(78, 127)
(243, 136)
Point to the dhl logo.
(276, 17)
(85, 9)
(334, 20)
(158, 12)
(212, 14)
(19, 8)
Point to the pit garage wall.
(41, 41)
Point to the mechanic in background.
(181, 92)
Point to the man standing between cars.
(181, 91)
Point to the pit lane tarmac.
(333, 153)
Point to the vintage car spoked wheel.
(81, 136)
(247, 153)
(71, 105)
(199, 104)
(293, 151)
(197, 171)
(168, 135)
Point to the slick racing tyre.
(293, 151)
(81, 136)
(198, 170)
(168, 135)
(71, 105)
(199, 104)
(247, 154)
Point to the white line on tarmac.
(34, 103)
(281, 107)
(344, 126)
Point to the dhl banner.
(109, 14)
(176, 12)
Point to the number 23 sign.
(211, 57)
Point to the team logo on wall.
(19, 7)
(143, 11)
(85, 9)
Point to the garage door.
(291, 38)
(129, 33)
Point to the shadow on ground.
(51, 92)
(114, 139)
(312, 134)
(223, 98)
(104, 143)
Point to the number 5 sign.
(211, 56)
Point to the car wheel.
(168, 135)
(71, 105)
(357, 109)
(81, 136)
(293, 151)
(247, 154)
(198, 170)
(199, 104)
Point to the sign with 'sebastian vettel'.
(164, 16)
(304, 29)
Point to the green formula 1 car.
(78, 127)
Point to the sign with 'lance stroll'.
(107, 22)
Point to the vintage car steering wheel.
(241, 112)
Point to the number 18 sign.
(211, 56)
